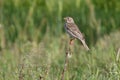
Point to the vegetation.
(33, 41)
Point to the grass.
(33, 42)
(43, 60)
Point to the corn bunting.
(74, 32)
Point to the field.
(33, 41)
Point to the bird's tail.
(85, 45)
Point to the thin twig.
(21, 75)
(66, 63)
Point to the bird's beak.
(65, 18)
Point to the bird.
(74, 32)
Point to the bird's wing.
(74, 30)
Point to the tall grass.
(24, 19)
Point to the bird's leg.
(71, 41)
(71, 46)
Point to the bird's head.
(69, 20)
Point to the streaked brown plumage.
(74, 32)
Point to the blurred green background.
(33, 40)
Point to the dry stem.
(66, 63)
